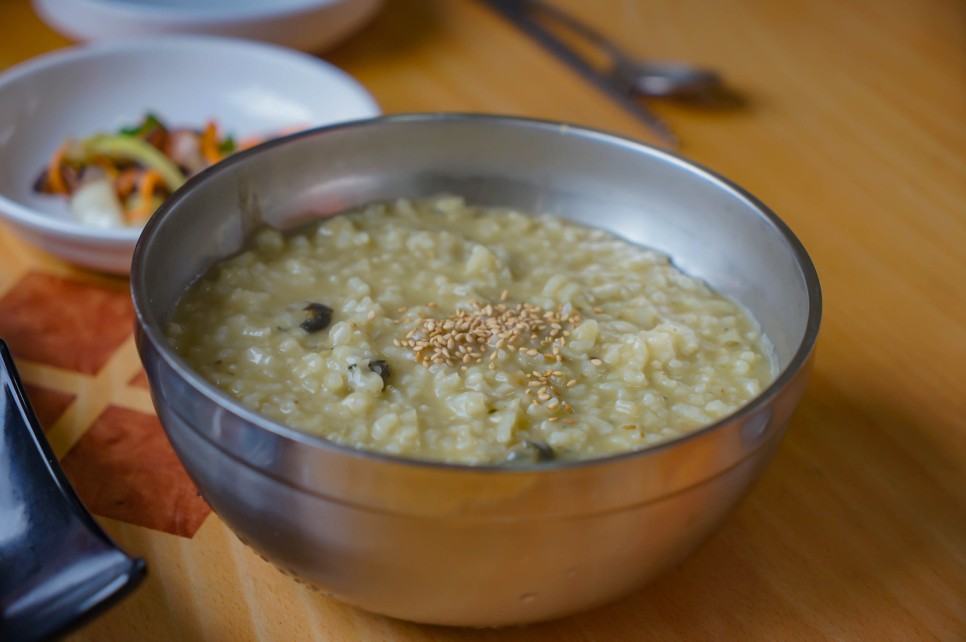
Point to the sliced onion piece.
(95, 203)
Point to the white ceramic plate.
(249, 88)
(310, 25)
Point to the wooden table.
(853, 132)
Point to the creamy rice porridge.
(436, 330)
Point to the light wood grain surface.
(855, 134)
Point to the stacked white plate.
(309, 25)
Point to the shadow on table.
(853, 509)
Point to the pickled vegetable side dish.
(119, 179)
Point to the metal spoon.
(645, 78)
(669, 79)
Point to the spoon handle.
(516, 11)
(580, 28)
(57, 566)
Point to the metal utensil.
(623, 77)
(57, 567)
(666, 79)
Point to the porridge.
(435, 330)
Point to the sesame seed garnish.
(596, 362)
(491, 331)
(473, 331)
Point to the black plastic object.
(57, 567)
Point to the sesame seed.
(596, 362)
(490, 327)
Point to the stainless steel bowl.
(464, 545)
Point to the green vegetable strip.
(145, 126)
(138, 151)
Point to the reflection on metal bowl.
(461, 545)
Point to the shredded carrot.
(149, 180)
(209, 143)
(55, 177)
(126, 181)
